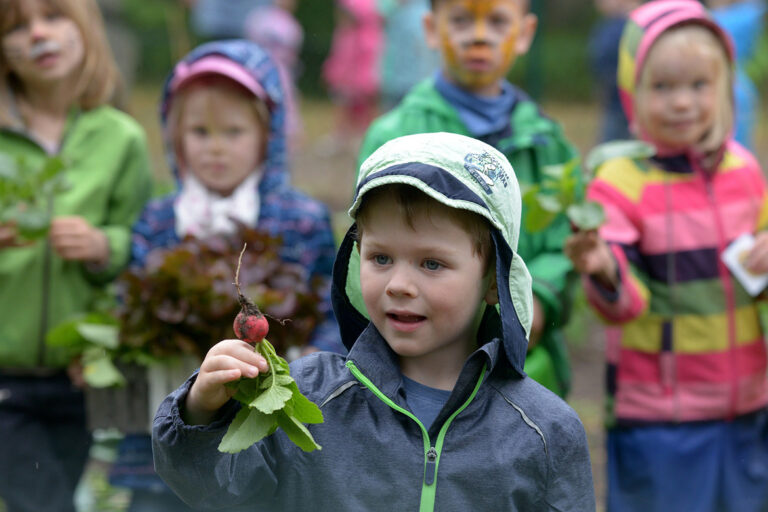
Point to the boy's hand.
(757, 259)
(73, 238)
(591, 255)
(225, 362)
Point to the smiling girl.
(686, 367)
(57, 77)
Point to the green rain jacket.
(535, 141)
(107, 167)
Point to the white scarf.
(201, 212)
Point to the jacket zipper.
(431, 453)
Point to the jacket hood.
(643, 28)
(249, 65)
(462, 173)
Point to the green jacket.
(535, 141)
(107, 167)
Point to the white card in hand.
(734, 255)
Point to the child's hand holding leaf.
(251, 372)
(73, 238)
(227, 361)
(591, 255)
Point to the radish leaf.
(297, 432)
(248, 424)
(273, 395)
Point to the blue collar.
(483, 116)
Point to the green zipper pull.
(429, 467)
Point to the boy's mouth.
(405, 322)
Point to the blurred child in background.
(406, 57)
(744, 20)
(687, 390)
(58, 78)
(223, 119)
(604, 58)
(275, 28)
(479, 42)
(351, 70)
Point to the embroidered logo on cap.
(486, 170)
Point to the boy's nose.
(480, 33)
(400, 283)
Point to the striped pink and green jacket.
(689, 345)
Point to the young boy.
(479, 41)
(430, 410)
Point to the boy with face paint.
(479, 41)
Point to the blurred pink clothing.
(352, 67)
(280, 34)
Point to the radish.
(250, 324)
(271, 399)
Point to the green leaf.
(249, 426)
(617, 149)
(302, 408)
(32, 223)
(100, 334)
(99, 371)
(281, 379)
(8, 168)
(271, 399)
(248, 389)
(297, 432)
(536, 218)
(66, 335)
(52, 167)
(554, 172)
(586, 216)
(549, 204)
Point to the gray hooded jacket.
(501, 442)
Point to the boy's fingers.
(219, 377)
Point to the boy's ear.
(430, 31)
(527, 32)
(492, 293)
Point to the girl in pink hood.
(686, 357)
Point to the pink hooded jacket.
(686, 342)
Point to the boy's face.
(479, 40)
(221, 137)
(42, 47)
(422, 285)
(677, 100)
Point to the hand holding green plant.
(251, 372)
(26, 196)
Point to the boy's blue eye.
(199, 130)
(432, 265)
(381, 259)
(235, 130)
